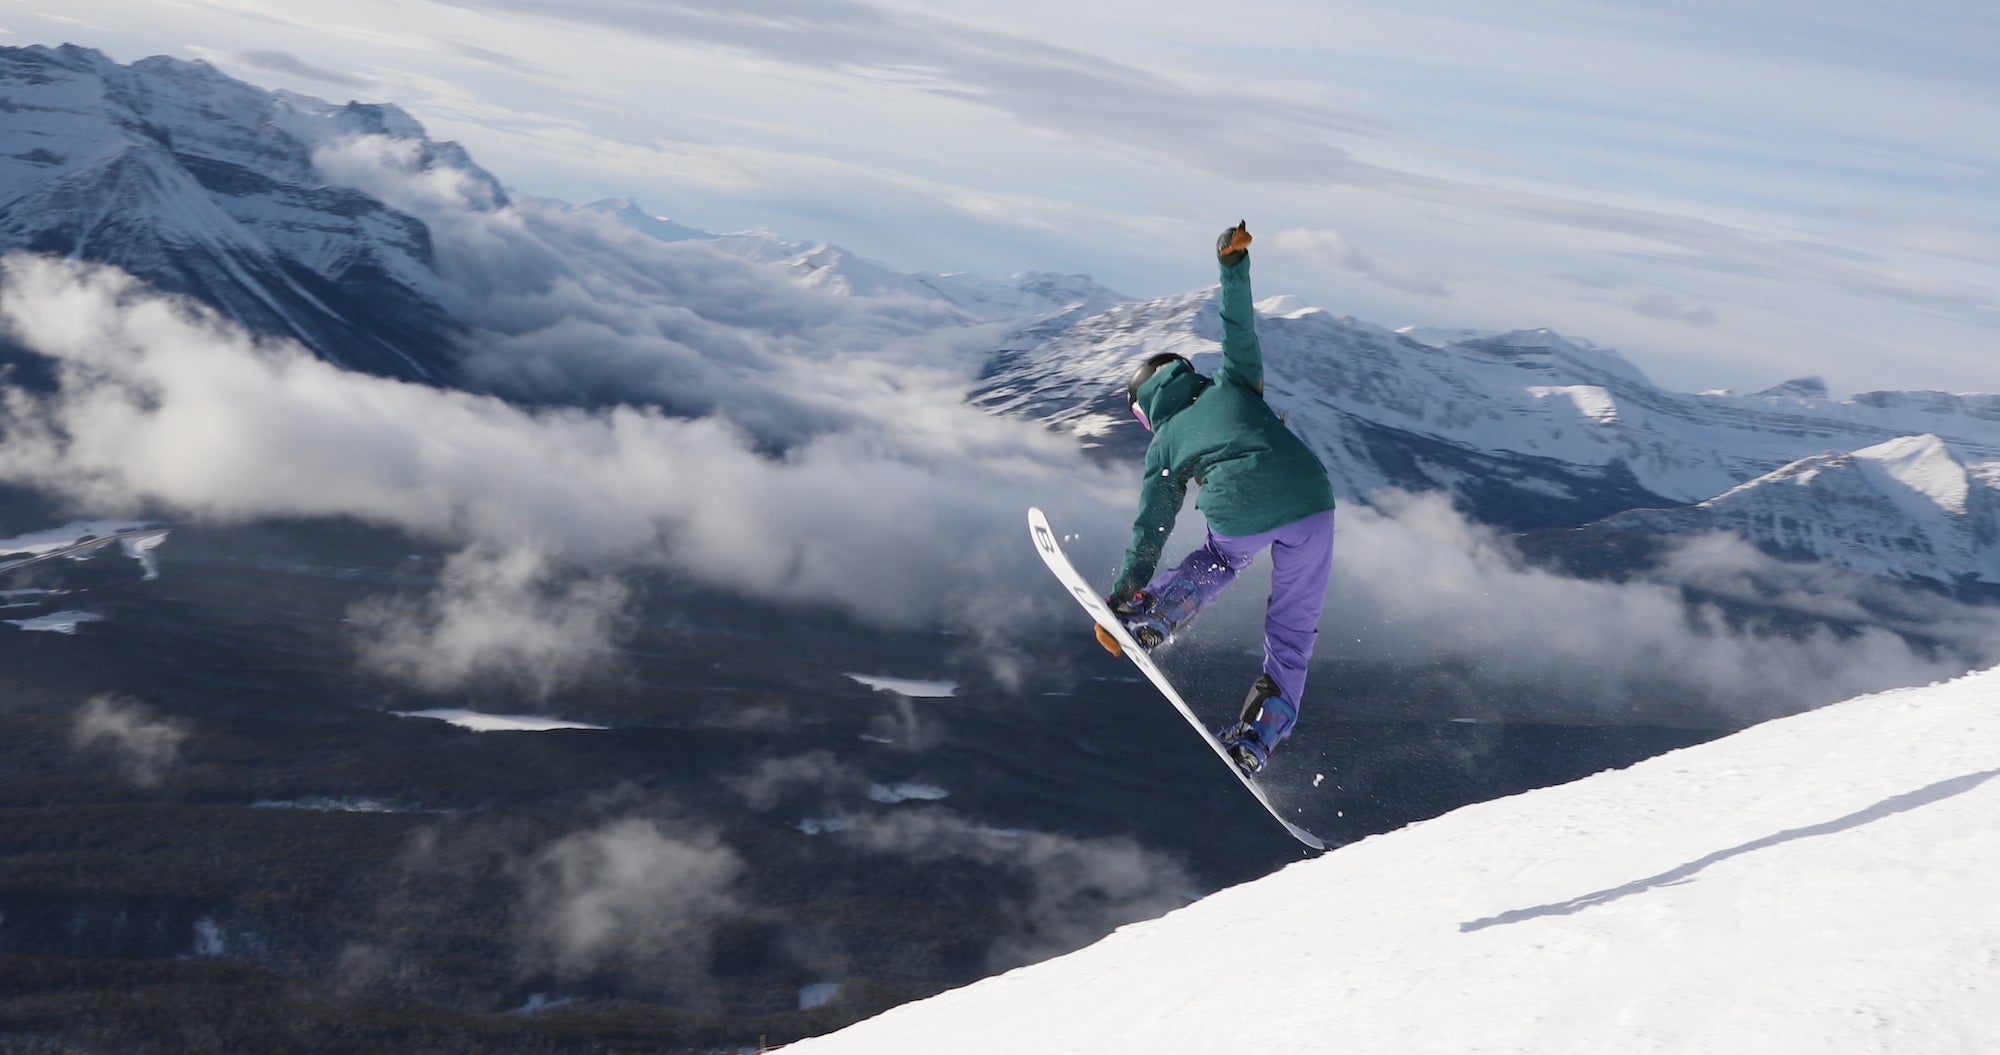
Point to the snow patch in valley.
(480, 722)
(345, 804)
(39, 542)
(812, 996)
(893, 793)
(209, 943)
(913, 687)
(58, 622)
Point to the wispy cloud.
(1067, 890)
(286, 63)
(143, 746)
(1214, 125)
(1328, 249)
(70, 20)
(509, 616)
(628, 896)
(1075, 890)
(1713, 634)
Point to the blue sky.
(1731, 194)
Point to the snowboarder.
(1261, 486)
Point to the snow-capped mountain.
(201, 184)
(1534, 429)
(1814, 884)
(820, 265)
(1906, 508)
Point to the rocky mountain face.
(206, 186)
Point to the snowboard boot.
(1267, 719)
(1151, 618)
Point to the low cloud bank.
(1716, 631)
(895, 518)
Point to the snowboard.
(1052, 555)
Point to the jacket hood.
(1169, 391)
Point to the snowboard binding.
(1152, 618)
(1266, 720)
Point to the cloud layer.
(163, 404)
(1716, 634)
(855, 477)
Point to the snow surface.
(1819, 883)
(480, 722)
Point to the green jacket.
(1254, 474)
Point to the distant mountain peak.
(1908, 507)
(1811, 387)
(629, 212)
(837, 269)
(1925, 465)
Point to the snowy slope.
(1821, 883)
(204, 185)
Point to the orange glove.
(1234, 243)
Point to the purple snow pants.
(1301, 561)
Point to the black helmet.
(1148, 369)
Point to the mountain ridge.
(1527, 429)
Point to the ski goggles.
(1146, 371)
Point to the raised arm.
(1242, 356)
